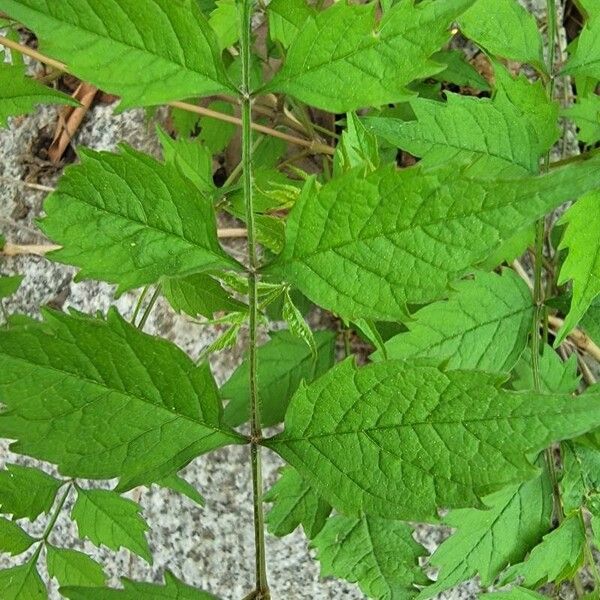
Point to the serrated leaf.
(283, 362)
(297, 326)
(225, 20)
(367, 246)
(13, 539)
(137, 53)
(199, 294)
(585, 58)
(378, 554)
(181, 486)
(26, 492)
(71, 567)
(557, 558)
(107, 519)
(295, 503)
(20, 94)
(193, 160)
(397, 440)
(504, 28)
(371, 62)
(216, 134)
(9, 285)
(483, 325)
(129, 219)
(591, 321)
(556, 376)
(580, 483)
(286, 18)
(586, 115)
(102, 399)
(520, 115)
(357, 147)
(134, 590)
(513, 521)
(582, 265)
(459, 71)
(22, 583)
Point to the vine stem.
(314, 146)
(262, 586)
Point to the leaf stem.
(262, 586)
(149, 308)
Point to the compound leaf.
(582, 265)
(105, 518)
(20, 94)
(378, 554)
(398, 440)
(133, 590)
(26, 492)
(487, 540)
(370, 62)
(138, 52)
(484, 325)
(520, 114)
(367, 246)
(295, 503)
(129, 219)
(558, 557)
(22, 582)
(71, 567)
(283, 362)
(102, 399)
(504, 28)
(13, 539)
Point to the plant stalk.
(262, 586)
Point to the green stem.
(138, 305)
(262, 586)
(149, 308)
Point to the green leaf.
(591, 321)
(370, 62)
(71, 567)
(504, 28)
(283, 362)
(582, 265)
(398, 440)
(13, 539)
(459, 71)
(26, 492)
(102, 399)
(199, 294)
(520, 115)
(295, 503)
(556, 376)
(557, 558)
(580, 484)
(128, 219)
(105, 518)
(585, 58)
(486, 541)
(586, 115)
(287, 18)
(22, 583)
(20, 94)
(378, 554)
(133, 590)
(192, 159)
(225, 20)
(517, 593)
(9, 285)
(483, 325)
(215, 133)
(346, 240)
(141, 55)
(181, 486)
(297, 325)
(357, 147)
